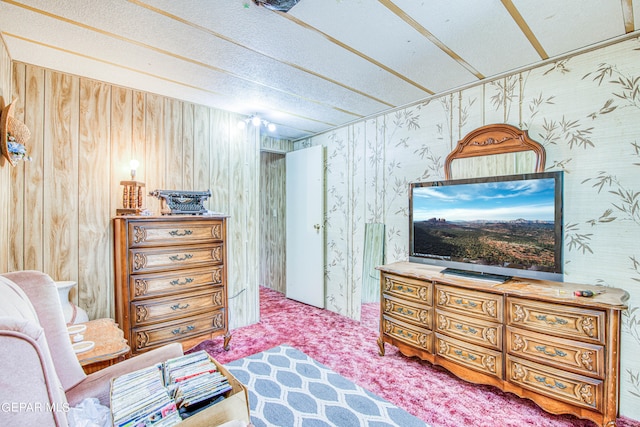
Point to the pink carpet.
(349, 348)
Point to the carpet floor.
(349, 348)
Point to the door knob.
(317, 227)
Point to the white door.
(305, 225)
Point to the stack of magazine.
(164, 394)
(194, 382)
(140, 399)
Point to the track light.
(256, 121)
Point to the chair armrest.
(98, 384)
(30, 391)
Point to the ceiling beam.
(627, 14)
(524, 27)
(433, 39)
(355, 52)
(257, 52)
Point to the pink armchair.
(40, 376)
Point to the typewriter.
(177, 202)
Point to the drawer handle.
(405, 334)
(556, 352)
(177, 257)
(405, 289)
(555, 384)
(557, 321)
(179, 307)
(469, 304)
(178, 283)
(469, 356)
(405, 311)
(183, 331)
(469, 329)
(177, 233)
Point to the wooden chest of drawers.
(529, 337)
(170, 280)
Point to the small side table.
(110, 345)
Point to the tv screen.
(504, 225)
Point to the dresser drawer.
(161, 309)
(577, 356)
(488, 334)
(410, 289)
(469, 355)
(574, 389)
(150, 285)
(558, 320)
(410, 334)
(151, 233)
(407, 311)
(149, 260)
(145, 338)
(482, 305)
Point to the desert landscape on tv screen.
(506, 224)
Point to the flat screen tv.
(496, 227)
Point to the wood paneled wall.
(5, 169)
(84, 134)
(272, 212)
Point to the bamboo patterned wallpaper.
(83, 135)
(585, 110)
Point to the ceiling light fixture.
(256, 121)
(277, 5)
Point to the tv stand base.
(533, 338)
(476, 275)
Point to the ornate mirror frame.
(495, 139)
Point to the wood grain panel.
(94, 200)
(5, 172)
(16, 237)
(201, 150)
(60, 175)
(275, 145)
(155, 152)
(139, 137)
(187, 147)
(238, 220)
(174, 161)
(219, 161)
(273, 225)
(121, 147)
(34, 173)
(252, 231)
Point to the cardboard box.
(235, 405)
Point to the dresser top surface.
(160, 218)
(562, 292)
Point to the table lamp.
(131, 193)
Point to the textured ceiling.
(323, 64)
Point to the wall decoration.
(13, 136)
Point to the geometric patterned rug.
(287, 388)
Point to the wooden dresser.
(170, 280)
(529, 337)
